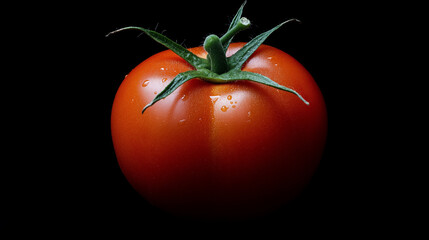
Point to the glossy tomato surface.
(219, 150)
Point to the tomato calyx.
(217, 68)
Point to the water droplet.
(184, 97)
(164, 80)
(233, 106)
(231, 102)
(275, 64)
(145, 83)
(224, 108)
(214, 99)
(269, 58)
(162, 69)
(229, 97)
(182, 121)
(155, 92)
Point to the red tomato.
(219, 150)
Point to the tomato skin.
(219, 150)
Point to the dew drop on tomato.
(145, 83)
(182, 121)
(214, 99)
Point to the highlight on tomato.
(221, 131)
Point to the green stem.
(243, 24)
(216, 47)
(217, 56)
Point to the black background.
(64, 175)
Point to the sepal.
(184, 53)
(235, 75)
(237, 60)
(177, 81)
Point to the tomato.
(228, 150)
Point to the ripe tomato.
(219, 150)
